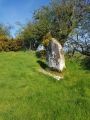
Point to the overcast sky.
(12, 11)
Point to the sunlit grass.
(27, 94)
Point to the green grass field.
(27, 94)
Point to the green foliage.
(5, 30)
(45, 42)
(46, 39)
(61, 17)
(27, 94)
(29, 34)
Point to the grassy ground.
(27, 94)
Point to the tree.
(61, 17)
(79, 39)
(80, 42)
(29, 33)
(5, 30)
(42, 20)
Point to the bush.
(41, 54)
(10, 44)
(46, 39)
(3, 43)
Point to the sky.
(12, 11)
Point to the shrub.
(46, 39)
(10, 44)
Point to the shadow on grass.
(85, 63)
(42, 64)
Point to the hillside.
(27, 94)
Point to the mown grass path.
(27, 94)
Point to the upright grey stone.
(55, 56)
(41, 47)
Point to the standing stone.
(55, 56)
(41, 47)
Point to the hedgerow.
(13, 44)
